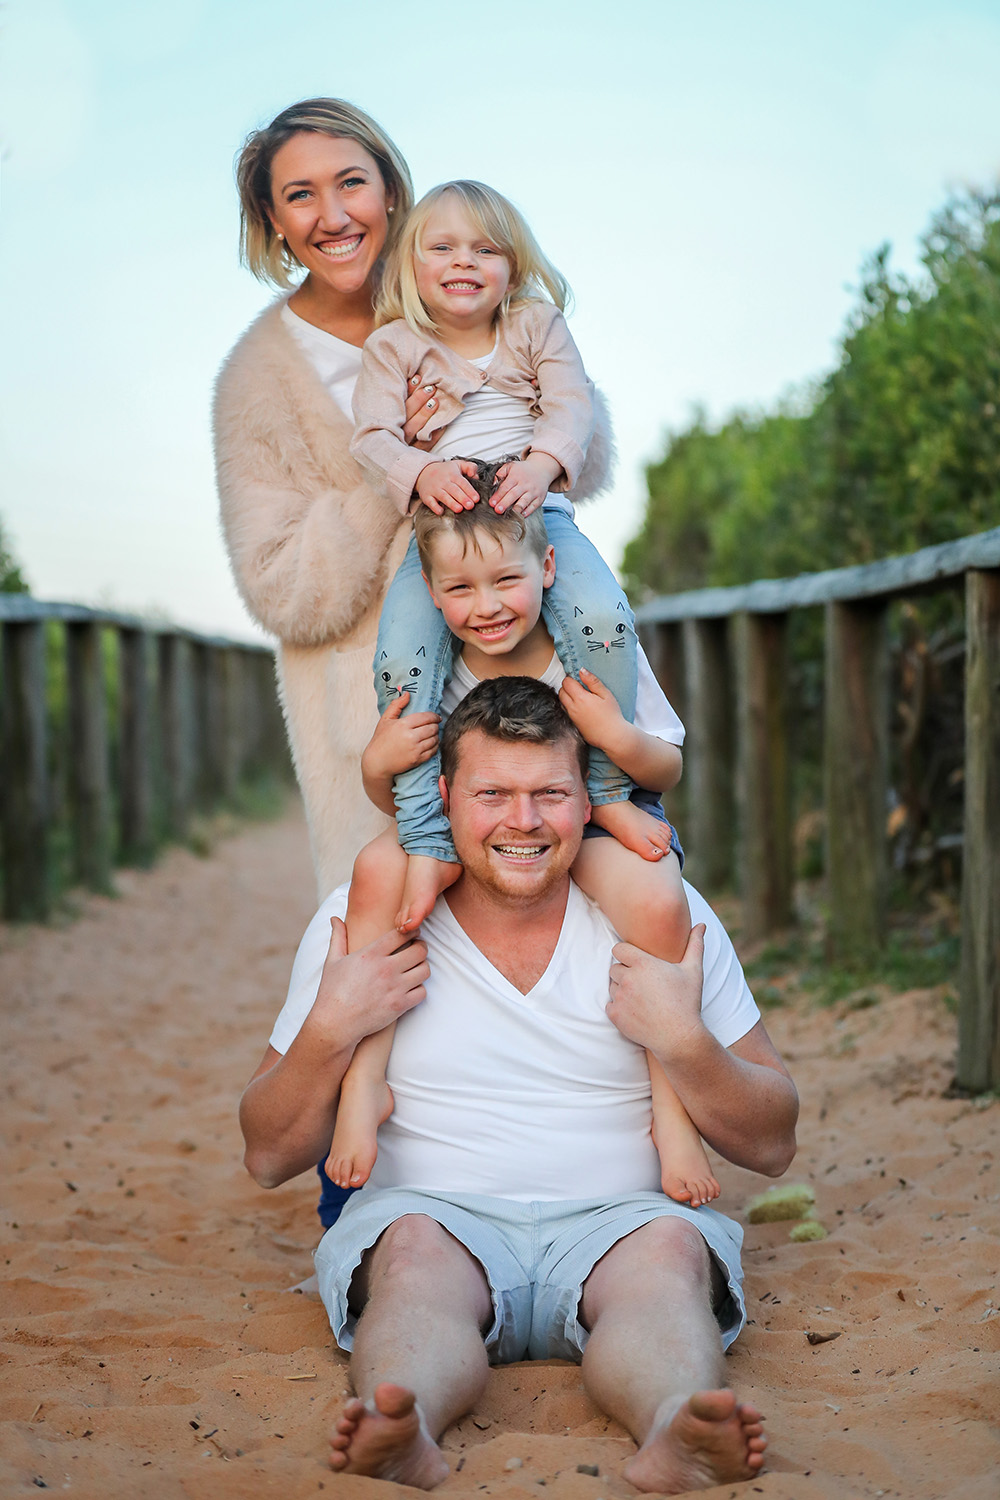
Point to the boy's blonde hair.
(533, 278)
(471, 526)
(261, 251)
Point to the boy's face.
(492, 599)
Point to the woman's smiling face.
(329, 202)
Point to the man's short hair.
(471, 526)
(511, 709)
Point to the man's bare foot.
(635, 829)
(685, 1174)
(426, 878)
(363, 1106)
(707, 1439)
(386, 1438)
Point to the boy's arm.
(289, 1107)
(379, 443)
(397, 745)
(651, 762)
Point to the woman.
(322, 189)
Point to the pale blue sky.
(709, 178)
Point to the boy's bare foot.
(364, 1104)
(685, 1174)
(386, 1438)
(706, 1440)
(426, 878)
(634, 828)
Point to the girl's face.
(329, 201)
(461, 275)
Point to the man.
(514, 1209)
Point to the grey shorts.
(536, 1257)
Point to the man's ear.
(443, 789)
(549, 567)
(587, 810)
(430, 589)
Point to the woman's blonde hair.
(269, 258)
(532, 276)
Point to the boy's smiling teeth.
(338, 249)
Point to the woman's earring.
(279, 234)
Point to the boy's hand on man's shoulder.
(399, 742)
(594, 710)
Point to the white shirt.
(490, 424)
(653, 711)
(529, 1097)
(337, 363)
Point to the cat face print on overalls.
(404, 679)
(603, 641)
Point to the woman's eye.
(351, 182)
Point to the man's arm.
(288, 1108)
(741, 1098)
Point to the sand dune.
(153, 1346)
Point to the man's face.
(517, 813)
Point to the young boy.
(487, 574)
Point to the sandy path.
(152, 1347)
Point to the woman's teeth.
(341, 249)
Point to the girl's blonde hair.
(261, 251)
(532, 276)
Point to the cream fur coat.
(312, 549)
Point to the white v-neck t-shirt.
(337, 363)
(530, 1097)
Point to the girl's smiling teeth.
(461, 286)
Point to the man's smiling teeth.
(341, 249)
(519, 851)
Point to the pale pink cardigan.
(533, 344)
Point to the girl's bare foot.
(426, 878)
(706, 1440)
(634, 828)
(386, 1438)
(364, 1104)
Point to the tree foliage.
(898, 448)
(11, 577)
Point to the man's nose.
(522, 812)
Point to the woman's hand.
(523, 485)
(399, 743)
(444, 486)
(421, 404)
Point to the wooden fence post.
(710, 764)
(135, 833)
(24, 790)
(979, 999)
(89, 792)
(763, 785)
(855, 776)
(178, 732)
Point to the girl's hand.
(522, 486)
(593, 709)
(444, 486)
(421, 404)
(399, 743)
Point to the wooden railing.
(721, 656)
(193, 717)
